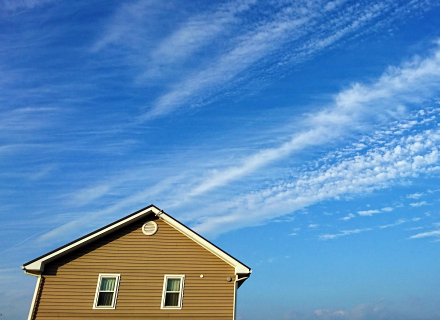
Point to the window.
(172, 291)
(106, 291)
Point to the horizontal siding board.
(142, 261)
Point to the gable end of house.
(36, 266)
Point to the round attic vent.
(149, 228)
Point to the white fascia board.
(38, 265)
(239, 267)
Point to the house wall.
(69, 285)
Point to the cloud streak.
(196, 33)
(386, 164)
(403, 149)
(435, 233)
(305, 28)
(418, 204)
(414, 81)
(342, 234)
(397, 223)
(13, 5)
(205, 53)
(368, 212)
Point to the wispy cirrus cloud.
(348, 217)
(368, 212)
(435, 233)
(253, 47)
(134, 199)
(291, 24)
(195, 33)
(416, 195)
(397, 223)
(13, 5)
(342, 234)
(405, 148)
(390, 162)
(236, 46)
(355, 231)
(130, 25)
(20, 120)
(418, 204)
(382, 309)
(374, 211)
(14, 295)
(413, 82)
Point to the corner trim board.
(34, 298)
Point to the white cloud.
(130, 24)
(342, 234)
(435, 233)
(304, 26)
(382, 309)
(348, 217)
(379, 167)
(194, 34)
(397, 223)
(415, 195)
(320, 312)
(415, 228)
(414, 81)
(13, 5)
(137, 199)
(368, 212)
(15, 292)
(252, 47)
(313, 225)
(340, 313)
(87, 195)
(388, 159)
(375, 211)
(418, 204)
(13, 120)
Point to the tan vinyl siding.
(142, 261)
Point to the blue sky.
(300, 136)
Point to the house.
(144, 266)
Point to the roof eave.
(239, 267)
(37, 265)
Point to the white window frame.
(115, 292)
(164, 292)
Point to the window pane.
(173, 285)
(108, 284)
(172, 300)
(105, 299)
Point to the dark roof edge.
(89, 234)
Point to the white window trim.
(182, 285)
(115, 295)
